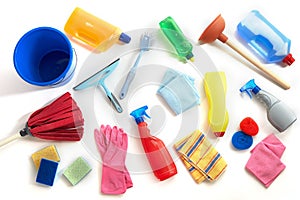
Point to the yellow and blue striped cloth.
(200, 158)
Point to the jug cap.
(124, 38)
(288, 59)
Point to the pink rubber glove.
(120, 137)
(112, 145)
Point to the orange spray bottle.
(158, 155)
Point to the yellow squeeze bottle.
(93, 31)
(215, 89)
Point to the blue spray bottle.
(278, 113)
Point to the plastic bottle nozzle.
(249, 87)
(139, 113)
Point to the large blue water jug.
(265, 39)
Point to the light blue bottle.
(266, 40)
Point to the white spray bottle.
(279, 114)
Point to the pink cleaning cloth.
(264, 162)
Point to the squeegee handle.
(111, 97)
(115, 102)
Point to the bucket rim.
(70, 52)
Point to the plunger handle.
(215, 31)
(271, 75)
(9, 139)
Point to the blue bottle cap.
(241, 141)
(124, 38)
(190, 56)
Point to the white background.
(18, 99)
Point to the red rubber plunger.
(214, 31)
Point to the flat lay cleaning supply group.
(44, 57)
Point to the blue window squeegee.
(98, 79)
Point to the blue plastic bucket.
(44, 57)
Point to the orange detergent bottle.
(215, 89)
(94, 32)
(158, 155)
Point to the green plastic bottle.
(176, 37)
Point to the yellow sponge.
(49, 153)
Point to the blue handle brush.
(144, 46)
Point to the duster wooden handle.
(270, 74)
(9, 139)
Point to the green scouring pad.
(77, 171)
